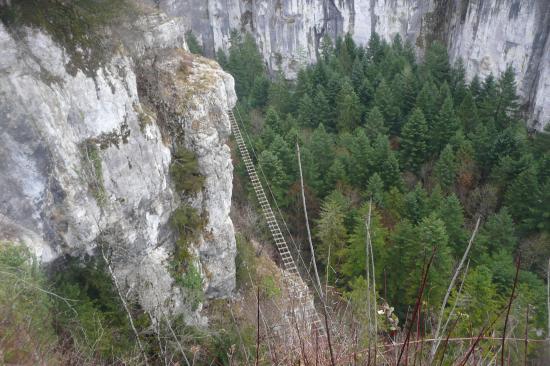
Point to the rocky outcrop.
(85, 163)
(487, 34)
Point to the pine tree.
(445, 125)
(414, 141)
(321, 148)
(467, 112)
(366, 92)
(384, 162)
(193, 43)
(458, 81)
(361, 153)
(275, 174)
(475, 87)
(375, 189)
(383, 99)
(375, 49)
(417, 204)
(521, 197)
(327, 47)
(357, 74)
(410, 91)
(488, 100)
(322, 109)
(331, 232)
(272, 121)
(307, 113)
(479, 299)
(498, 233)
(432, 234)
(282, 151)
(245, 63)
(348, 108)
(280, 97)
(427, 101)
(336, 173)
(445, 168)
(452, 215)
(221, 57)
(374, 124)
(507, 106)
(354, 255)
(259, 92)
(444, 93)
(304, 84)
(437, 62)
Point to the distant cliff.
(487, 34)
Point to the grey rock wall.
(487, 34)
(84, 162)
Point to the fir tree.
(357, 74)
(488, 100)
(307, 112)
(321, 148)
(336, 174)
(259, 92)
(348, 108)
(322, 109)
(280, 97)
(375, 189)
(383, 99)
(327, 47)
(445, 168)
(331, 232)
(414, 141)
(458, 81)
(385, 163)
(507, 105)
(521, 197)
(452, 215)
(375, 49)
(427, 101)
(437, 62)
(498, 233)
(361, 153)
(272, 121)
(193, 43)
(275, 174)
(445, 125)
(374, 124)
(475, 87)
(467, 112)
(221, 57)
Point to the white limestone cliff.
(85, 163)
(487, 34)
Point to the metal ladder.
(297, 287)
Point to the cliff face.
(85, 162)
(487, 34)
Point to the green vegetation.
(188, 225)
(193, 43)
(93, 171)
(185, 171)
(74, 24)
(24, 337)
(76, 314)
(431, 150)
(94, 319)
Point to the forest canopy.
(430, 149)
